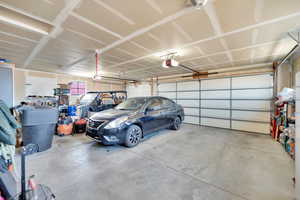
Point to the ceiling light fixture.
(21, 24)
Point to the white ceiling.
(130, 33)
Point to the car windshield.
(88, 98)
(132, 104)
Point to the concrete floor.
(195, 163)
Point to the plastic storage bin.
(38, 127)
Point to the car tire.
(176, 124)
(133, 136)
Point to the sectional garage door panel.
(240, 103)
(251, 116)
(251, 127)
(188, 95)
(215, 84)
(192, 111)
(167, 87)
(215, 113)
(215, 94)
(252, 94)
(263, 105)
(220, 123)
(191, 120)
(215, 104)
(258, 81)
(188, 103)
(170, 95)
(191, 85)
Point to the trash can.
(38, 127)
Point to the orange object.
(65, 129)
(80, 122)
(11, 168)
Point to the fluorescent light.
(23, 25)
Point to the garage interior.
(234, 67)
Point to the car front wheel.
(176, 124)
(133, 136)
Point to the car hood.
(111, 114)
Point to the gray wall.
(6, 85)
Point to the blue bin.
(71, 110)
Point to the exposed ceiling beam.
(137, 33)
(211, 12)
(220, 36)
(84, 58)
(148, 28)
(155, 6)
(17, 36)
(115, 12)
(85, 36)
(17, 10)
(14, 43)
(102, 28)
(59, 20)
(233, 50)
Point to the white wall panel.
(257, 81)
(191, 85)
(188, 103)
(170, 95)
(251, 116)
(252, 94)
(40, 86)
(191, 111)
(215, 113)
(188, 95)
(191, 120)
(215, 94)
(251, 104)
(167, 87)
(215, 122)
(251, 127)
(215, 103)
(212, 84)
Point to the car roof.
(148, 97)
(93, 92)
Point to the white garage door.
(138, 90)
(240, 103)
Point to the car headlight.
(116, 123)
